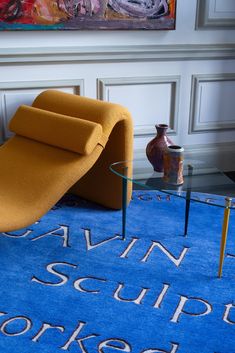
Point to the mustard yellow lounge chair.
(63, 142)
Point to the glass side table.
(198, 177)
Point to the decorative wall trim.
(209, 18)
(132, 53)
(195, 124)
(78, 84)
(103, 85)
(6, 87)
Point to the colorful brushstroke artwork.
(87, 14)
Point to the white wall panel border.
(132, 53)
(225, 105)
(104, 85)
(13, 94)
(215, 14)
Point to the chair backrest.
(98, 184)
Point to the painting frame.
(26, 15)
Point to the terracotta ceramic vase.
(155, 148)
(173, 165)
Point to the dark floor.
(231, 175)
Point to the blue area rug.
(70, 284)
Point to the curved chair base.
(33, 177)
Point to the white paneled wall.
(144, 96)
(213, 107)
(161, 78)
(13, 94)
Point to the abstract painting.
(87, 14)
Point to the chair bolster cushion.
(73, 134)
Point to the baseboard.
(231, 175)
(219, 155)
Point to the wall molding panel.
(133, 53)
(13, 94)
(215, 14)
(77, 84)
(212, 107)
(171, 85)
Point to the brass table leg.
(224, 234)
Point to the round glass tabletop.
(202, 182)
